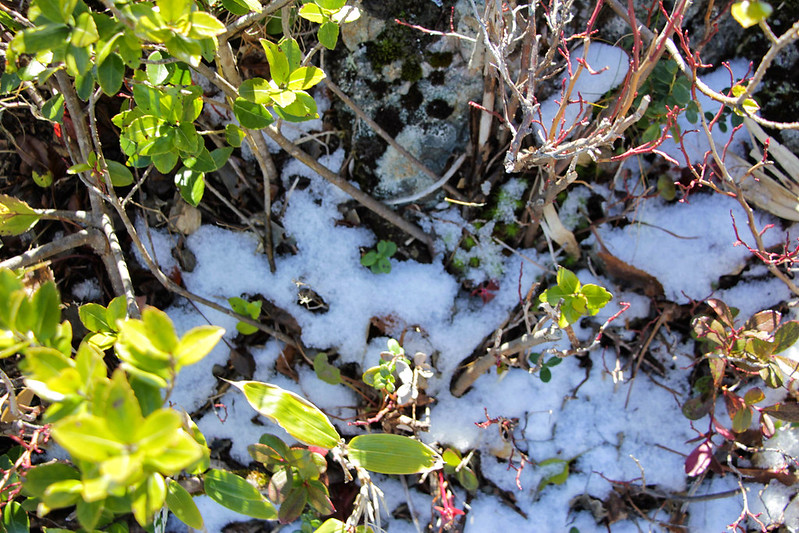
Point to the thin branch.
(86, 237)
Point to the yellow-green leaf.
(204, 25)
(197, 343)
(392, 454)
(182, 505)
(748, 13)
(299, 417)
(16, 217)
(305, 78)
(235, 493)
(87, 437)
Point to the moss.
(440, 59)
(439, 108)
(411, 71)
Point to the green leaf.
(183, 453)
(742, 419)
(328, 34)
(120, 408)
(160, 329)
(325, 371)
(46, 306)
(596, 297)
(754, 396)
(251, 115)
(62, 494)
(40, 39)
(38, 478)
(301, 109)
(53, 108)
(237, 7)
(148, 498)
(187, 139)
(16, 217)
(191, 185)
(234, 135)
(257, 90)
(369, 258)
(110, 74)
(786, 336)
(182, 505)
(204, 25)
(567, 281)
(85, 31)
(202, 162)
(291, 49)
(15, 519)
(156, 73)
(120, 174)
(278, 62)
(748, 13)
(174, 10)
(292, 506)
(165, 163)
(299, 417)
(197, 343)
(319, 499)
(468, 480)
(236, 494)
(331, 5)
(312, 12)
(158, 431)
(392, 454)
(87, 437)
(89, 513)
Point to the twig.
(87, 237)
(485, 362)
(432, 188)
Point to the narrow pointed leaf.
(182, 505)
(392, 454)
(299, 417)
(236, 494)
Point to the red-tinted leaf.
(717, 366)
(724, 432)
(293, 505)
(784, 411)
(766, 321)
(767, 425)
(699, 460)
(723, 312)
(710, 330)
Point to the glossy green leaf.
(160, 329)
(15, 519)
(319, 499)
(110, 74)
(331, 5)
(392, 454)
(236, 494)
(237, 7)
(204, 25)
(257, 90)
(41, 38)
(312, 12)
(234, 135)
(182, 505)
(191, 185)
(158, 431)
(567, 281)
(251, 115)
(62, 494)
(85, 31)
(328, 34)
(303, 108)
(163, 162)
(53, 108)
(156, 73)
(299, 417)
(305, 78)
(201, 162)
(786, 336)
(596, 297)
(120, 174)
(197, 343)
(16, 217)
(278, 62)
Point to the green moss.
(474, 262)
(440, 59)
(411, 71)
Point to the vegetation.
(126, 89)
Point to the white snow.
(587, 422)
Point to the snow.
(589, 423)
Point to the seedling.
(382, 377)
(250, 309)
(574, 299)
(545, 372)
(457, 465)
(378, 260)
